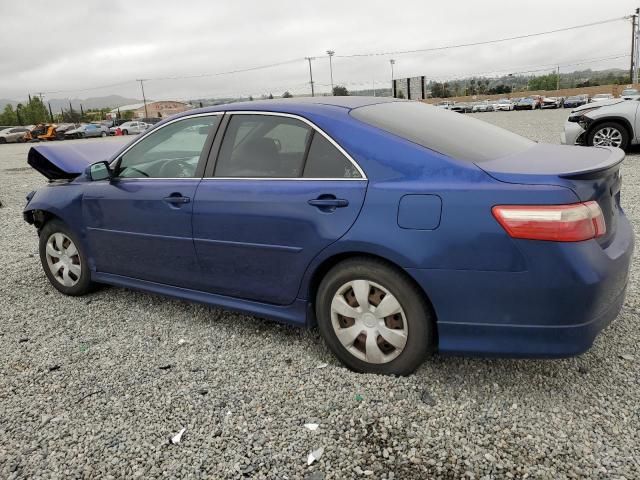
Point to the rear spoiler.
(607, 166)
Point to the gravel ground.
(93, 387)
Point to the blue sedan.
(399, 229)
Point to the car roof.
(297, 105)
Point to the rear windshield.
(449, 133)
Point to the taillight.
(556, 223)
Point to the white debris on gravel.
(575, 418)
(178, 436)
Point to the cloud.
(90, 44)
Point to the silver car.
(610, 123)
(13, 135)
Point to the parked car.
(602, 96)
(551, 102)
(504, 104)
(630, 94)
(527, 103)
(482, 107)
(131, 127)
(461, 107)
(575, 101)
(379, 246)
(87, 131)
(63, 128)
(13, 135)
(608, 123)
(446, 105)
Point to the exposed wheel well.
(39, 218)
(331, 262)
(622, 121)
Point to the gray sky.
(77, 45)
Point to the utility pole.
(331, 53)
(636, 57)
(392, 62)
(558, 78)
(633, 47)
(311, 74)
(144, 99)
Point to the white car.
(130, 128)
(13, 135)
(481, 107)
(601, 96)
(630, 94)
(503, 104)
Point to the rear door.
(278, 192)
(139, 223)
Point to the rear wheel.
(63, 260)
(103, 134)
(609, 134)
(125, 132)
(374, 318)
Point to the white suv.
(128, 128)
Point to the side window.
(263, 146)
(170, 152)
(326, 161)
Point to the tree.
(544, 82)
(287, 95)
(270, 96)
(8, 116)
(250, 98)
(340, 91)
(400, 94)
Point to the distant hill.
(109, 101)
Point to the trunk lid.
(67, 161)
(592, 173)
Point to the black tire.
(83, 284)
(103, 134)
(624, 133)
(125, 132)
(420, 336)
(3, 140)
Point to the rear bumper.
(555, 308)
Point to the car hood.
(601, 103)
(68, 161)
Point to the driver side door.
(139, 223)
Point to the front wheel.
(125, 132)
(373, 318)
(103, 134)
(609, 134)
(63, 260)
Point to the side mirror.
(99, 171)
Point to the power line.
(484, 42)
(231, 72)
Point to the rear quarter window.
(449, 133)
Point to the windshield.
(443, 131)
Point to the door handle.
(176, 199)
(329, 202)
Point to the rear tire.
(391, 338)
(609, 134)
(125, 132)
(64, 260)
(103, 134)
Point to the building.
(160, 109)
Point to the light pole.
(331, 53)
(311, 74)
(392, 62)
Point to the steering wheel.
(175, 169)
(137, 170)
